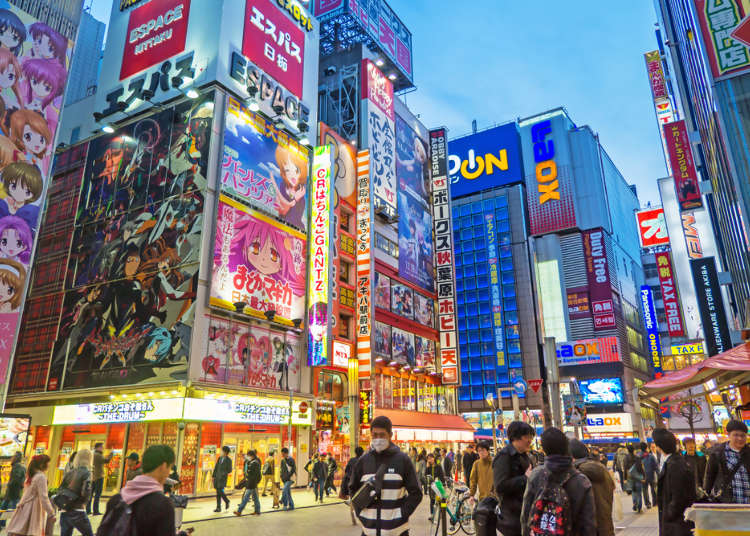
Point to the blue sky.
(496, 60)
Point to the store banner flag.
(652, 328)
(597, 273)
(655, 75)
(365, 310)
(669, 294)
(711, 305)
(446, 281)
(725, 35)
(683, 166)
(319, 272)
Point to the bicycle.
(459, 511)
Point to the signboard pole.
(553, 379)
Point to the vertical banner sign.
(726, 32)
(711, 305)
(655, 75)
(597, 272)
(320, 254)
(446, 282)
(381, 137)
(652, 328)
(364, 311)
(495, 295)
(669, 294)
(683, 166)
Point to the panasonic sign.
(652, 328)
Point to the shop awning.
(417, 426)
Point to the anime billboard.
(415, 241)
(259, 261)
(344, 165)
(263, 167)
(34, 61)
(403, 347)
(411, 161)
(133, 269)
(425, 349)
(382, 291)
(382, 336)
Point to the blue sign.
(484, 160)
(519, 385)
(652, 328)
(495, 294)
(601, 391)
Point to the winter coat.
(287, 469)
(578, 488)
(675, 492)
(650, 466)
(31, 513)
(467, 461)
(15, 482)
(509, 478)
(251, 471)
(481, 478)
(79, 482)
(320, 471)
(604, 489)
(98, 464)
(448, 468)
(435, 472)
(697, 465)
(421, 464)
(717, 471)
(221, 471)
(621, 459)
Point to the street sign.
(519, 385)
(535, 384)
(741, 32)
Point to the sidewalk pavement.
(634, 524)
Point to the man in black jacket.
(447, 469)
(287, 472)
(696, 463)
(346, 490)
(400, 494)
(221, 471)
(251, 470)
(320, 476)
(78, 480)
(676, 486)
(433, 471)
(510, 468)
(467, 460)
(728, 470)
(15, 485)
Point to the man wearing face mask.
(400, 494)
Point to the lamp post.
(353, 377)
(491, 403)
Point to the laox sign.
(546, 169)
(604, 421)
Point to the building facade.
(87, 54)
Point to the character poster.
(382, 338)
(34, 62)
(411, 161)
(425, 350)
(403, 347)
(238, 353)
(263, 167)
(402, 300)
(259, 261)
(133, 269)
(415, 241)
(424, 310)
(382, 291)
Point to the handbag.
(241, 484)
(714, 496)
(369, 491)
(64, 498)
(179, 501)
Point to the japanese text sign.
(724, 33)
(597, 273)
(652, 228)
(141, 410)
(364, 310)
(683, 166)
(669, 294)
(248, 409)
(495, 292)
(655, 75)
(652, 327)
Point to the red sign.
(156, 32)
(275, 44)
(742, 32)
(725, 35)
(377, 88)
(683, 167)
(656, 75)
(535, 384)
(597, 272)
(652, 228)
(669, 294)
(303, 407)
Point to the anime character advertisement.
(259, 261)
(133, 268)
(403, 347)
(237, 353)
(264, 167)
(382, 291)
(425, 349)
(411, 161)
(415, 241)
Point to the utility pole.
(553, 379)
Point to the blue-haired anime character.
(159, 346)
(12, 31)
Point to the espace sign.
(156, 31)
(602, 423)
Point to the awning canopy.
(728, 368)
(417, 426)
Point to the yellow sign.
(683, 349)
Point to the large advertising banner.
(132, 276)
(496, 299)
(365, 310)
(652, 328)
(683, 166)
(264, 167)
(344, 164)
(411, 161)
(711, 305)
(446, 280)
(597, 273)
(36, 53)
(258, 261)
(652, 227)
(403, 347)
(655, 75)
(381, 136)
(669, 294)
(415, 241)
(583, 352)
(425, 354)
(725, 35)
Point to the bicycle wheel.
(465, 515)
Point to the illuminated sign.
(687, 349)
(445, 279)
(609, 422)
(652, 227)
(683, 166)
(158, 409)
(14, 433)
(601, 391)
(364, 310)
(342, 351)
(495, 293)
(248, 409)
(365, 409)
(597, 273)
(725, 34)
(692, 239)
(320, 255)
(578, 303)
(601, 350)
(669, 295)
(546, 168)
(711, 305)
(652, 327)
(298, 13)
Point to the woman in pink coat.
(34, 509)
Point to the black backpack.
(551, 513)
(118, 520)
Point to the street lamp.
(490, 398)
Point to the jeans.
(219, 496)
(319, 487)
(246, 498)
(650, 484)
(7, 504)
(286, 495)
(637, 488)
(75, 519)
(97, 486)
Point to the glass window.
(509, 291)
(484, 307)
(466, 233)
(460, 286)
(473, 323)
(457, 245)
(503, 226)
(466, 210)
(488, 349)
(505, 252)
(477, 219)
(511, 317)
(461, 310)
(482, 268)
(455, 212)
(501, 201)
(468, 258)
(468, 271)
(479, 243)
(475, 350)
(488, 204)
(470, 282)
(476, 207)
(482, 281)
(485, 321)
(503, 239)
(478, 231)
(487, 335)
(506, 264)
(465, 222)
(471, 296)
(472, 309)
(512, 332)
(508, 278)
(481, 256)
(510, 305)
(464, 393)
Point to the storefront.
(427, 431)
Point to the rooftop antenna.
(473, 126)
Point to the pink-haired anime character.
(44, 81)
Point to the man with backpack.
(78, 486)
(287, 472)
(728, 471)
(141, 506)
(558, 498)
(332, 466)
(251, 472)
(676, 486)
(636, 481)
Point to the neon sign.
(546, 169)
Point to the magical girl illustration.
(16, 239)
(12, 31)
(22, 183)
(45, 82)
(10, 76)
(291, 190)
(31, 135)
(47, 43)
(12, 279)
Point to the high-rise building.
(84, 70)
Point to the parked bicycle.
(459, 509)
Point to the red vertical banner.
(683, 167)
(669, 294)
(597, 273)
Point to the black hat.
(382, 422)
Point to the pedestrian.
(34, 511)
(602, 485)
(467, 461)
(433, 472)
(447, 468)
(545, 510)
(287, 473)
(636, 479)
(132, 467)
(412, 455)
(320, 475)
(651, 470)
(697, 464)
(621, 456)
(308, 467)
(15, 485)
(69, 466)
(675, 489)
(97, 476)
(222, 468)
(332, 466)
(459, 464)
(510, 469)
(400, 493)
(268, 469)
(346, 490)
(481, 476)
(420, 467)
(152, 512)
(79, 482)
(728, 470)
(706, 447)
(251, 472)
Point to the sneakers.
(237, 513)
(217, 510)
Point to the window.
(346, 272)
(75, 135)
(331, 386)
(388, 246)
(345, 221)
(345, 327)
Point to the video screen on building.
(14, 431)
(601, 391)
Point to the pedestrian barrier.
(720, 519)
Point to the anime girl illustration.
(290, 196)
(158, 346)
(47, 44)
(10, 75)
(12, 31)
(16, 239)
(31, 135)
(12, 279)
(45, 81)
(22, 183)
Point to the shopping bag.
(617, 506)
